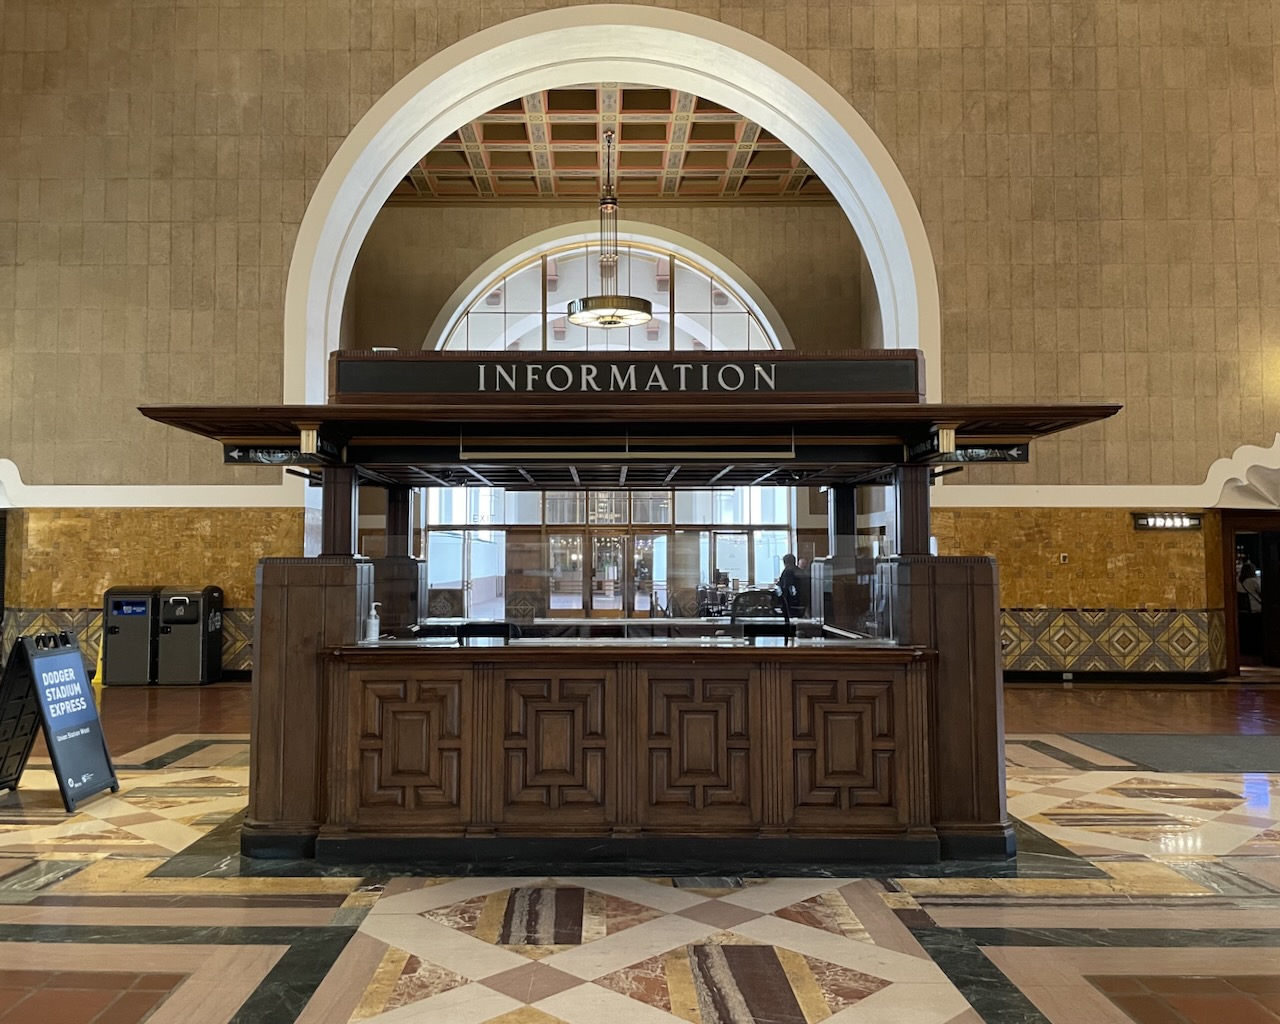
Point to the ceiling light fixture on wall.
(609, 309)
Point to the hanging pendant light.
(609, 309)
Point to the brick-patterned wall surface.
(804, 258)
(67, 558)
(1098, 181)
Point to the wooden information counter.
(713, 752)
(668, 750)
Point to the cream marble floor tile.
(451, 949)
(861, 956)
(625, 948)
(637, 890)
(454, 891)
(467, 1004)
(905, 1003)
(782, 892)
(120, 875)
(1075, 1004)
(591, 1004)
(169, 834)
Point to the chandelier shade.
(609, 309)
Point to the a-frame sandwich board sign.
(45, 685)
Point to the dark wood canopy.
(529, 442)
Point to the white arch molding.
(480, 280)
(606, 42)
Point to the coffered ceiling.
(671, 146)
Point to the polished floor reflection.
(1146, 889)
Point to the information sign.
(45, 685)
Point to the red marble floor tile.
(131, 1008)
(1237, 1009)
(24, 979)
(1148, 1010)
(1258, 984)
(159, 982)
(1119, 985)
(60, 1006)
(1175, 984)
(119, 981)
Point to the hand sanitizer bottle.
(373, 624)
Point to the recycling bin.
(130, 623)
(189, 641)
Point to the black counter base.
(1059, 678)
(686, 854)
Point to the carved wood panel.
(555, 744)
(410, 746)
(698, 739)
(843, 744)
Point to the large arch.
(606, 42)
(479, 280)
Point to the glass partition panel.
(445, 572)
(566, 507)
(650, 507)
(649, 573)
(770, 504)
(523, 508)
(695, 506)
(446, 506)
(484, 506)
(486, 562)
(607, 508)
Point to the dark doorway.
(1251, 579)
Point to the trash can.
(130, 620)
(189, 645)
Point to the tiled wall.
(60, 562)
(1098, 182)
(1123, 601)
(800, 256)
(67, 558)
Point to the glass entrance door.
(565, 555)
(610, 575)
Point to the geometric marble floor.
(1136, 896)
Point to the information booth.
(865, 727)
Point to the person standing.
(789, 586)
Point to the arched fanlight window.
(525, 308)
